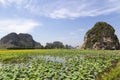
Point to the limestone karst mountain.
(21, 40)
(101, 36)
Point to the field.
(59, 64)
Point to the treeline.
(57, 45)
(54, 45)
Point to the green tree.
(49, 46)
(58, 45)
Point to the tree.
(54, 45)
(58, 45)
(49, 46)
(66, 46)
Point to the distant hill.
(18, 41)
(101, 36)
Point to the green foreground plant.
(77, 65)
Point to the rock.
(13, 40)
(101, 36)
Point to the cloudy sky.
(57, 20)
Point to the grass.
(113, 74)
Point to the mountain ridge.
(21, 40)
(101, 36)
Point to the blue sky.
(57, 20)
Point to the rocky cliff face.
(101, 36)
(21, 40)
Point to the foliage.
(114, 74)
(36, 65)
(104, 34)
(56, 45)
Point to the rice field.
(59, 64)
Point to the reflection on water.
(49, 58)
(45, 58)
(54, 59)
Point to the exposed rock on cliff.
(101, 36)
(21, 40)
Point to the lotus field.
(59, 65)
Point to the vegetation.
(99, 27)
(57, 45)
(101, 36)
(18, 41)
(114, 74)
(58, 64)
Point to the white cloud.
(16, 3)
(66, 9)
(63, 9)
(3, 1)
(18, 25)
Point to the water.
(55, 59)
(49, 58)
(44, 58)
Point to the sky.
(57, 20)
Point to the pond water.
(55, 59)
(49, 58)
(34, 58)
(44, 58)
